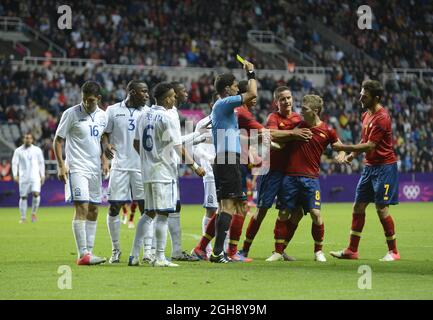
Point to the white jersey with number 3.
(121, 125)
(82, 132)
(158, 133)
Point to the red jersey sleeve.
(332, 134)
(246, 120)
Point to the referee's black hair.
(160, 91)
(222, 81)
(91, 88)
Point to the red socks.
(280, 234)
(388, 227)
(235, 233)
(291, 228)
(209, 234)
(318, 233)
(358, 221)
(253, 228)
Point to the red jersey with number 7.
(376, 128)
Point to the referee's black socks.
(222, 226)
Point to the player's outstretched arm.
(182, 152)
(62, 170)
(302, 134)
(357, 148)
(341, 157)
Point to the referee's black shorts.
(228, 177)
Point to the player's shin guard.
(222, 225)
(209, 234)
(35, 203)
(90, 234)
(161, 227)
(358, 221)
(253, 228)
(318, 232)
(388, 227)
(79, 231)
(113, 224)
(175, 234)
(235, 233)
(23, 208)
(280, 234)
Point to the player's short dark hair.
(278, 91)
(176, 84)
(91, 88)
(243, 86)
(373, 87)
(222, 81)
(160, 90)
(133, 84)
(314, 101)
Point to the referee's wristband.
(251, 75)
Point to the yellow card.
(240, 59)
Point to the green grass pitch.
(32, 254)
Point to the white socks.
(175, 234)
(204, 223)
(79, 230)
(23, 208)
(144, 230)
(90, 234)
(161, 226)
(113, 224)
(35, 204)
(148, 239)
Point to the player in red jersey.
(300, 184)
(379, 179)
(283, 125)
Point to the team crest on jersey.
(77, 192)
(210, 199)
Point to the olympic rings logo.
(411, 192)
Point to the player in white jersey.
(125, 183)
(28, 169)
(158, 139)
(81, 127)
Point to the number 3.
(131, 126)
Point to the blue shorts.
(299, 191)
(378, 184)
(268, 187)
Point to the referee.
(226, 168)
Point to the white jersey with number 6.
(82, 132)
(158, 133)
(121, 125)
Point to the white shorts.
(161, 196)
(84, 187)
(125, 186)
(29, 186)
(210, 198)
